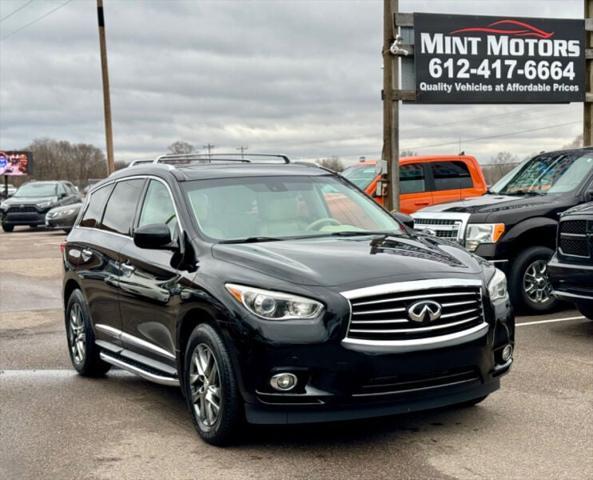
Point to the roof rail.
(186, 158)
(138, 162)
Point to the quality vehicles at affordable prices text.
(237, 282)
(514, 225)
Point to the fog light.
(507, 353)
(283, 381)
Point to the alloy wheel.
(204, 382)
(76, 334)
(536, 283)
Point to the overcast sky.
(301, 77)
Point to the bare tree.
(501, 164)
(180, 147)
(333, 163)
(62, 160)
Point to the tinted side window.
(411, 179)
(94, 211)
(451, 175)
(121, 207)
(158, 207)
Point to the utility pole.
(209, 147)
(106, 94)
(242, 149)
(588, 105)
(390, 104)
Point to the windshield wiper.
(358, 233)
(525, 192)
(253, 240)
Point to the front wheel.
(210, 387)
(586, 309)
(7, 228)
(529, 286)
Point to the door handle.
(86, 254)
(421, 204)
(129, 269)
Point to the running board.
(141, 372)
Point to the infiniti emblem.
(424, 311)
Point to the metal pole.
(5, 187)
(390, 105)
(106, 93)
(588, 106)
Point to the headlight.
(63, 213)
(274, 305)
(497, 286)
(478, 233)
(45, 204)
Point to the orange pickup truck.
(425, 180)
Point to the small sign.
(481, 59)
(15, 164)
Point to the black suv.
(571, 268)
(31, 202)
(277, 293)
(514, 225)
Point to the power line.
(17, 10)
(38, 19)
(503, 135)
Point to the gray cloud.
(301, 77)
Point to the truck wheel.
(529, 286)
(7, 227)
(586, 310)
(210, 387)
(84, 353)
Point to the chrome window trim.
(399, 287)
(134, 340)
(123, 179)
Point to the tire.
(7, 227)
(529, 286)
(586, 310)
(221, 427)
(84, 353)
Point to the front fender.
(538, 231)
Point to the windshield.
(360, 176)
(547, 173)
(37, 190)
(274, 208)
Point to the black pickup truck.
(514, 225)
(571, 268)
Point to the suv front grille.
(23, 209)
(387, 317)
(574, 240)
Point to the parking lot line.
(552, 320)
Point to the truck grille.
(388, 317)
(441, 227)
(574, 240)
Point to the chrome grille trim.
(459, 320)
(443, 224)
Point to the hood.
(490, 203)
(29, 200)
(584, 209)
(351, 261)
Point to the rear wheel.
(7, 228)
(586, 309)
(84, 353)
(210, 388)
(529, 285)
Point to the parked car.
(234, 281)
(7, 191)
(424, 181)
(571, 268)
(31, 202)
(62, 218)
(514, 225)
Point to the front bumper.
(338, 383)
(60, 223)
(570, 281)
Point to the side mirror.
(154, 236)
(403, 218)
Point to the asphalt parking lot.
(57, 425)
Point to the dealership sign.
(478, 59)
(13, 163)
